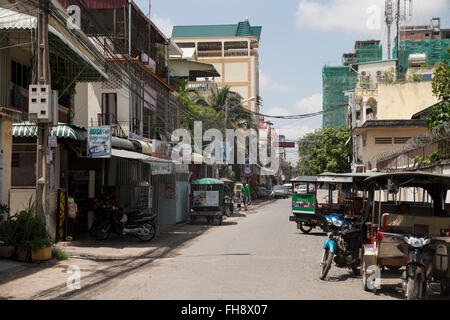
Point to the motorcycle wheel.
(305, 228)
(356, 270)
(103, 231)
(150, 234)
(220, 220)
(414, 288)
(325, 264)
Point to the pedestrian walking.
(245, 195)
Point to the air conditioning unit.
(43, 104)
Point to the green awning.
(207, 181)
(63, 130)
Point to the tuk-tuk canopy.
(305, 179)
(207, 181)
(411, 179)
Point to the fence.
(435, 140)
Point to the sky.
(298, 38)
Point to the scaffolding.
(336, 80)
(368, 53)
(436, 51)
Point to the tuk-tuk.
(207, 200)
(389, 229)
(328, 193)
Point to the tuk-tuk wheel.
(306, 228)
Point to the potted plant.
(41, 249)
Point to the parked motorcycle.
(342, 247)
(139, 224)
(229, 206)
(417, 277)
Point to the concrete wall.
(402, 100)
(371, 149)
(372, 68)
(5, 159)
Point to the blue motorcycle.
(342, 247)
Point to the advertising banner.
(206, 198)
(99, 142)
(303, 203)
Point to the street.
(261, 256)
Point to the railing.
(212, 53)
(236, 53)
(109, 119)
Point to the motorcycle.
(417, 277)
(342, 247)
(141, 225)
(229, 206)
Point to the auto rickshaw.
(207, 200)
(389, 229)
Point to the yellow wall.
(371, 149)
(402, 100)
(6, 149)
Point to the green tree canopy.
(324, 150)
(440, 113)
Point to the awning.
(63, 130)
(10, 19)
(137, 156)
(184, 68)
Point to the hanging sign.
(99, 142)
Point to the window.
(383, 140)
(401, 140)
(109, 109)
(209, 46)
(20, 74)
(23, 166)
(186, 44)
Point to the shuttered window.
(383, 140)
(401, 140)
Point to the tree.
(324, 151)
(440, 113)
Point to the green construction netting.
(436, 51)
(335, 104)
(372, 52)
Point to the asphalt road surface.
(259, 256)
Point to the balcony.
(109, 119)
(202, 86)
(227, 53)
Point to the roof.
(241, 29)
(304, 179)
(423, 113)
(10, 19)
(372, 124)
(411, 179)
(184, 68)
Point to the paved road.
(260, 256)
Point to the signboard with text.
(303, 203)
(99, 142)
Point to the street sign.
(99, 142)
(52, 141)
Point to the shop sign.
(52, 141)
(161, 168)
(99, 142)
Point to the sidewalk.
(97, 261)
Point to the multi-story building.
(337, 79)
(231, 49)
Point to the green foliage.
(324, 151)
(440, 113)
(59, 254)
(428, 160)
(254, 189)
(26, 230)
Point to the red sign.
(285, 144)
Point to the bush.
(59, 254)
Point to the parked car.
(280, 192)
(301, 189)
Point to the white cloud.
(163, 24)
(267, 83)
(360, 17)
(310, 104)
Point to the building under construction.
(337, 79)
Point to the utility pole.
(43, 78)
(398, 39)
(389, 19)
